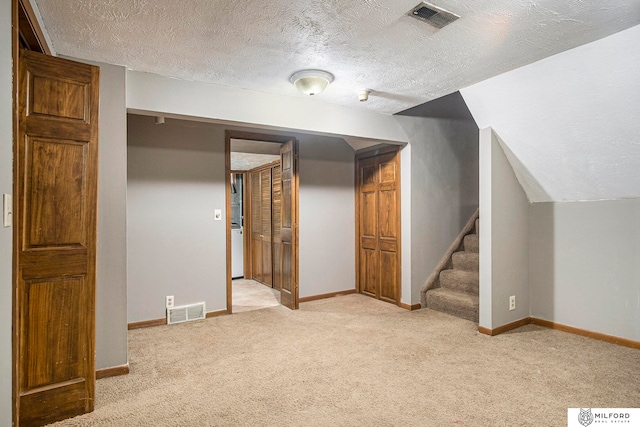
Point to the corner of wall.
(485, 148)
(6, 233)
(504, 237)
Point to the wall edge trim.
(410, 307)
(112, 372)
(612, 339)
(328, 295)
(163, 321)
(625, 342)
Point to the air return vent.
(186, 313)
(433, 15)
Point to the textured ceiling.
(247, 154)
(371, 44)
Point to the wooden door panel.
(265, 219)
(288, 225)
(276, 221)
(388, 245)
(387, 219)
(387, 169)
(388, 275)
(55, 219)
(256, 197)
(286, 266)
(369, 271)
(53, 404)
(368, 216)
(49, 344)
(267, 270)
(72, 94)
(55, 193)
(256, 226)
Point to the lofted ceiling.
(371, 44)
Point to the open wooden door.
(289, 224)
(55, 253)
(276, 218)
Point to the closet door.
(378, 214)
(256, 226)
(265, 219)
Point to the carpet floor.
(356, 361)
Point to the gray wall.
(111, 292)
(444, 183)
(176, 181)
(327, 215)
(585, 265)
(6, 182)
(509, 240)
(111, 287)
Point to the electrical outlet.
(168, 301)
(512, 302)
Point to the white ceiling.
(248, 154)
(371, 44)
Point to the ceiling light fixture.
(311, 82)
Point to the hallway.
(250, 295)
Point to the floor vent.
(186, 313)
(433, 15)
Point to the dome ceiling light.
(311, 82)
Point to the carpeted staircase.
(459, 284)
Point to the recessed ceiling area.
(373, 44)
(247, 154)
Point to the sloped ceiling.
(370, 44)
(571, 122)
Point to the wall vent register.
(186, 313)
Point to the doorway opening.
(261, 214)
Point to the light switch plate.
(218, 215)
(7, 210)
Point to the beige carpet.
(355, 361)
(248, 295)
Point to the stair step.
(471, 243)
(455, 303)
(460, 281)
(467, 261)
(478, 226)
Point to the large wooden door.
(55, 225)
(256, 226)
(378, 217)
(289, 224)
(276, 220)
(265, 219)
(261, 224)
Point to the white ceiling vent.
(185, 313)
(434, 15)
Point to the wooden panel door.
(256, 226)
(379, 226)
(276, 203)
(289, 224)
(55, 226)
(265, 219)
